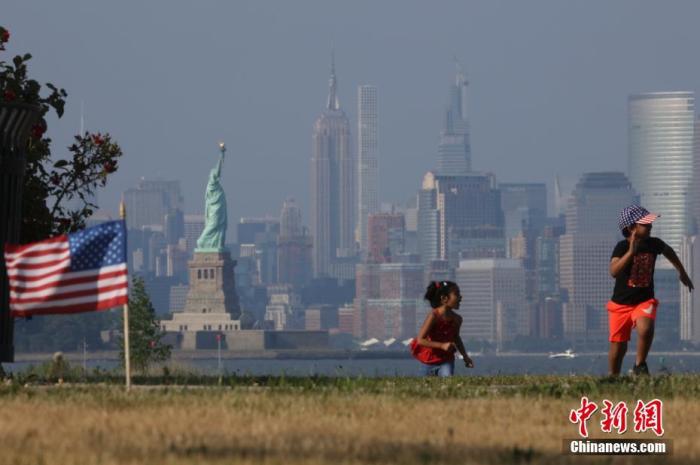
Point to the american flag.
(79, 272)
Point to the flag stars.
(100, 246)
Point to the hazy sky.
(548, 83)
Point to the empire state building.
(333, 198)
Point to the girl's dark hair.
(626, 232)
(436, 290)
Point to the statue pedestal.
(212, 284)
(212, 303)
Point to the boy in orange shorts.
(633, 303)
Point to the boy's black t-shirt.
(635, 283)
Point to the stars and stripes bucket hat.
(635, 214)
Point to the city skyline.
(529, 96)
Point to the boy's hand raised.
(634, 242)
(685, 279)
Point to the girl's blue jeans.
(438, 369)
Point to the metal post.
(127, 347)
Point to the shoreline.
(186, 355)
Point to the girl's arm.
(460, 347)
(671, 256)
(425, 329)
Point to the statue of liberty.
(213, 236)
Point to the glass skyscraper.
(660, 164)
(584, 252)
(368, 200)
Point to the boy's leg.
(643, 317)
(620, 324)
(645, 336)
(615, 357)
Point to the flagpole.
(127, 347)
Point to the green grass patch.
(552, 386)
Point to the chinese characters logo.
(646, 416)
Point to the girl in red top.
(438, 338)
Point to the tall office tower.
(171, 190)
(284, 309)
(386, 233)
(428, 228)
(454, 150)
(495, 308)
(247, 274)
(550, 321)
(669, 291)
(689, 254)
(366, 287)
(321, 317)
(367, 181)
(460, 217)
(522, 247)
(248, 228)
(263, 234)
(695, 186)
(150, 201)
(156, 253)
(194, 225)
(482, 241)
(410, 214)
(346, 319)
(388, 299)
(174, 227)
(178, 297)
(293, 248)
(661, 148)
(266, 256)
(290, 219)
(333, 200)
(546, 300)
(524, 207)
(584, 253)
(438, 270)
(546, 262)
(525, 214)
(176, 265)
(470, 215)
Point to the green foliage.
(58, 369)
(50, 185)
(145, 335)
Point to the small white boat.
(369, 342)
(389, 341)
(568, 353)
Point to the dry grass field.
(314, 421)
